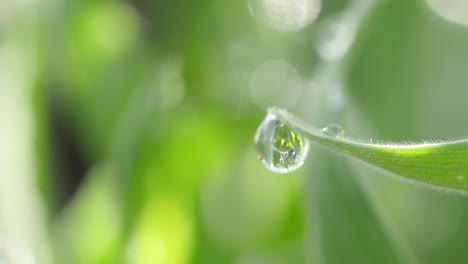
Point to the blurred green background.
(126, 130)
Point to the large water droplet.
(280, 148)
(334, 130)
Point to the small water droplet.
(334, 130)
(280, 148)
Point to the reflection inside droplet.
(286, 15)
(280, 148)
(452, 10)
(334, 130)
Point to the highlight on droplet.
(286, 15)
(279, 147)
(453, 10)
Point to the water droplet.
(334, 130)
(285, 15)
(280, 148)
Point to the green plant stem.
(443, 165)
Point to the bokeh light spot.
(286, 15)
(453, 10)
(275, 83)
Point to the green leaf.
(345, 222)
(442, 165)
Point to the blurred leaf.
(89, 228)
(344, 225)
(163, 234)
(102, 31)
(413, 89)
(248, 213)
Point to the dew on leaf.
(279, 147)
(334, 130)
